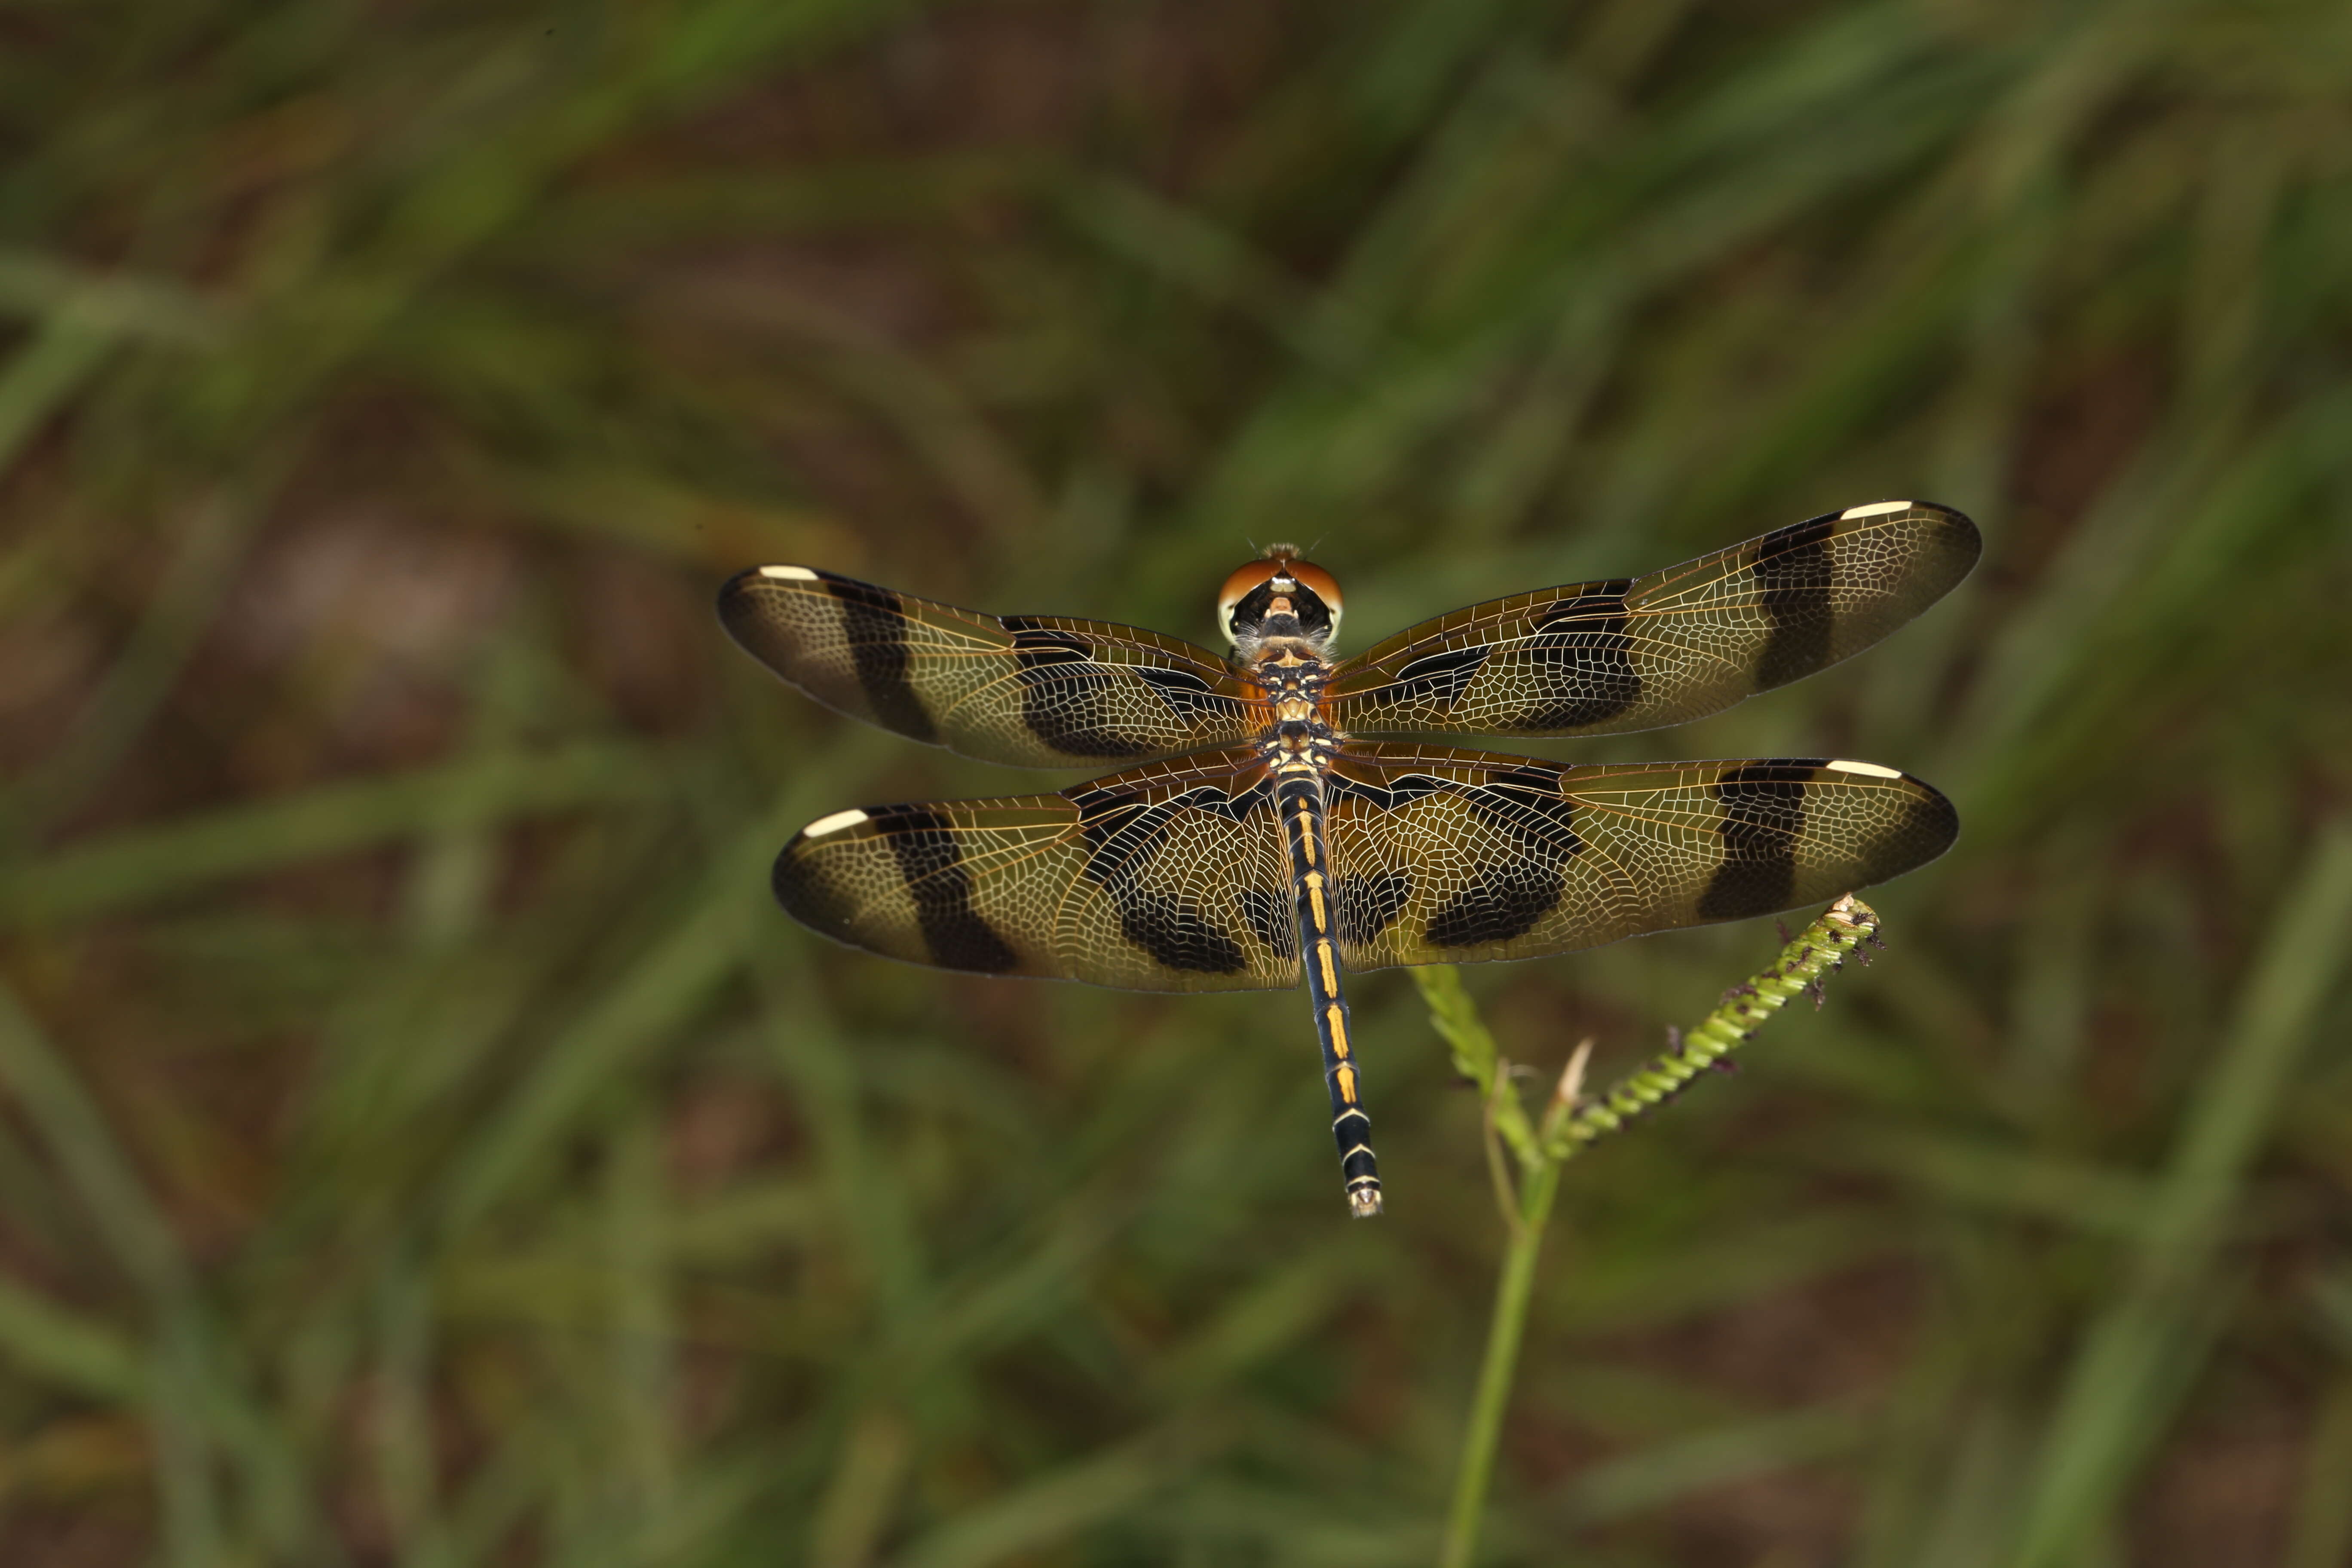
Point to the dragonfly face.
(1279, 596)
(1261, 835)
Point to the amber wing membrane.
(1453, 856)
(1031, 690)
(1168, 877)
(1637, 653)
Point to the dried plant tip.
(1571, 1077)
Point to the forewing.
(1168, 877)
(1450, 857)
(1032, 691)
(1635, 653)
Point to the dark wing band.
(1031, 690)
(1641, 652)
(1451, 856)
(1161, 878)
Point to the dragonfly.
(1276, 819)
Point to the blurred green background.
(422, 1142)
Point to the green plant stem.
(1475, 1474)
(1567, 1124)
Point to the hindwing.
(1167, 878)
(1451, 856)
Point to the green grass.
(422, 1142)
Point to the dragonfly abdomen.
(1298, 797)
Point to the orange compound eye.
(1319, 583)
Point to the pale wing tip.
(814, 895)
(750, 576)
(748, 605)
(1960, 534)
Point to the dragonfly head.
(1279, 596)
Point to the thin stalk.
(1475, 1471)
(1569, 1123)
